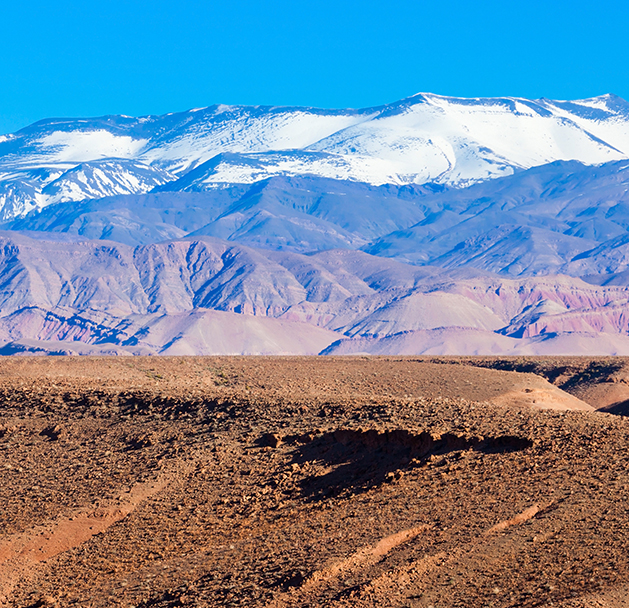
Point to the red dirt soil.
(273, 482)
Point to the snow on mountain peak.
(81, 146)
(420, 139)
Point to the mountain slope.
(386, 228)
(300, 214)
(162, 297)
(197, 332)
(469, 342)
(534, 222)
(564, 217)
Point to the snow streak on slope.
(236, 129)
(426, 138)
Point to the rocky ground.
(449, 482)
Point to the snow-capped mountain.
(431, 225)
(100, 178)
(425, 138)
(35, 190)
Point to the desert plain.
(423, 482)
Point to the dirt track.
(313, 482)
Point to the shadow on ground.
(360, 460)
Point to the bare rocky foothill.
(159, 482)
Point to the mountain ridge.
(565, 218)
(146, 299)
(420, 139)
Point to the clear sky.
(70, 58)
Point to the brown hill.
(310, 481)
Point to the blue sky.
(135, 57)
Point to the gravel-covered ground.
(163, 482)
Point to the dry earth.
(277, 482)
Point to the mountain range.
(430, 225)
